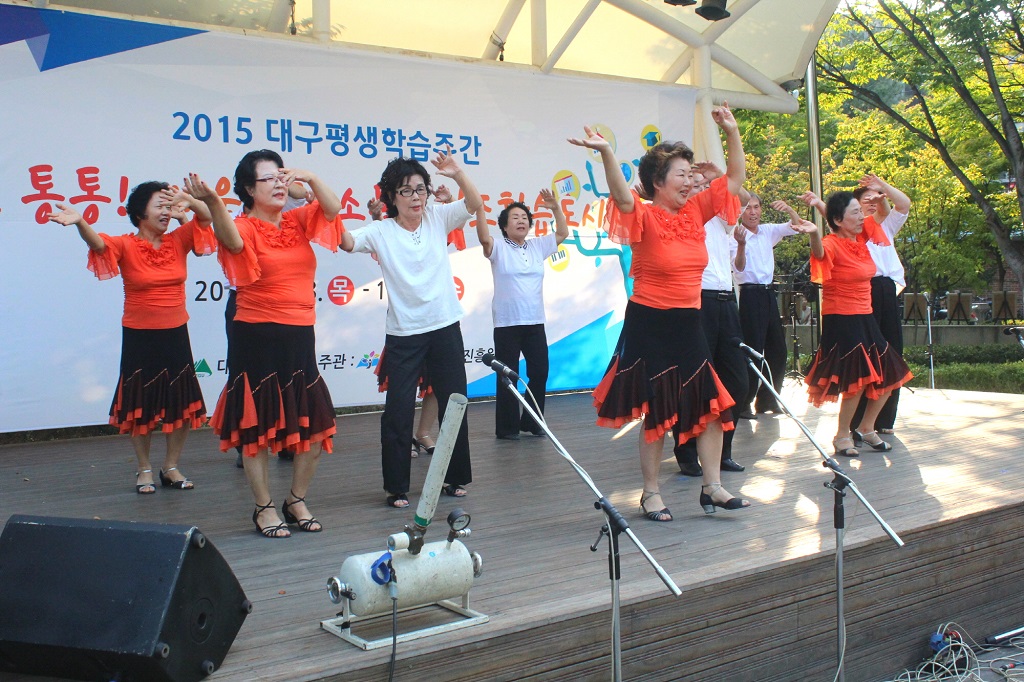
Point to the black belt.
(766, 287)
(727, 295)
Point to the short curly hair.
(655, 163)
(394, 175)
(503, 216)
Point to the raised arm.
(617, 186)
(736, 162)
(483, 233)
(330, 204)
(223, 224)
(782, 207)
(561, 226)
(814, 201)
(181, 202)
(817, 249)
(447, 166)
(900, 201)
(740, 235)
(68, 216)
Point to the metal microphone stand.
(614, 525)
(840, 483)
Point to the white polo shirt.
(519, 280)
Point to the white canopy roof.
(743, 59)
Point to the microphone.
(499, 367)
(1010, 331)
(747, 349)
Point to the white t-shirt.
(887, 261)
(519, 280)
(417, 273)
(760, 266)
(722, 250)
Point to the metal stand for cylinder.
(432, 575)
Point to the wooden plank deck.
(758, 584)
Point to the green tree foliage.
(947, 73)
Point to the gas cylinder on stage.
(441, 570)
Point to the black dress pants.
(762, 331)
(532, 341)
(441, 353)
(885, 306)
(720, 319)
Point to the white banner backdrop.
(89, 110)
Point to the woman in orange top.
(158, 380)
(853, 357)
(275, 398)
(661, 369)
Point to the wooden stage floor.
(956, 455)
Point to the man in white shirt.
(759, 305)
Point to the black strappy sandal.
(183, 484)
(871, 439)
(269, 531)
(393, 501)
(305, 525)
(452, 490)
(663, 515)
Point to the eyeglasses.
(409, 191)
(273, 179)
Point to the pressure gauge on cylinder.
(458, 519)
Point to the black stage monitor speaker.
(114, 600)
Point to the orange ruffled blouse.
(669, 255)
(845, 275)
(154, 278)
(274, 272)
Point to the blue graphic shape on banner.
(577, 361)
(61, 38)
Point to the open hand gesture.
(195, 187)
(548, 198)
(709, 170)
(740, 234)
(803, 226)
(446, 164)
(814, 201)
(66, 216)
(593, 140)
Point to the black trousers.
(720, 319)
(532, 341)
(762, 331)
(441, 353)
(885, 307)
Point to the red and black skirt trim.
(423, 386)
(853, 356)
(158, 387)
(661, 371)
(275, 398)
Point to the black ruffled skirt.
(661, 371)
(157, 384)
(853, 355)
(275, 398)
